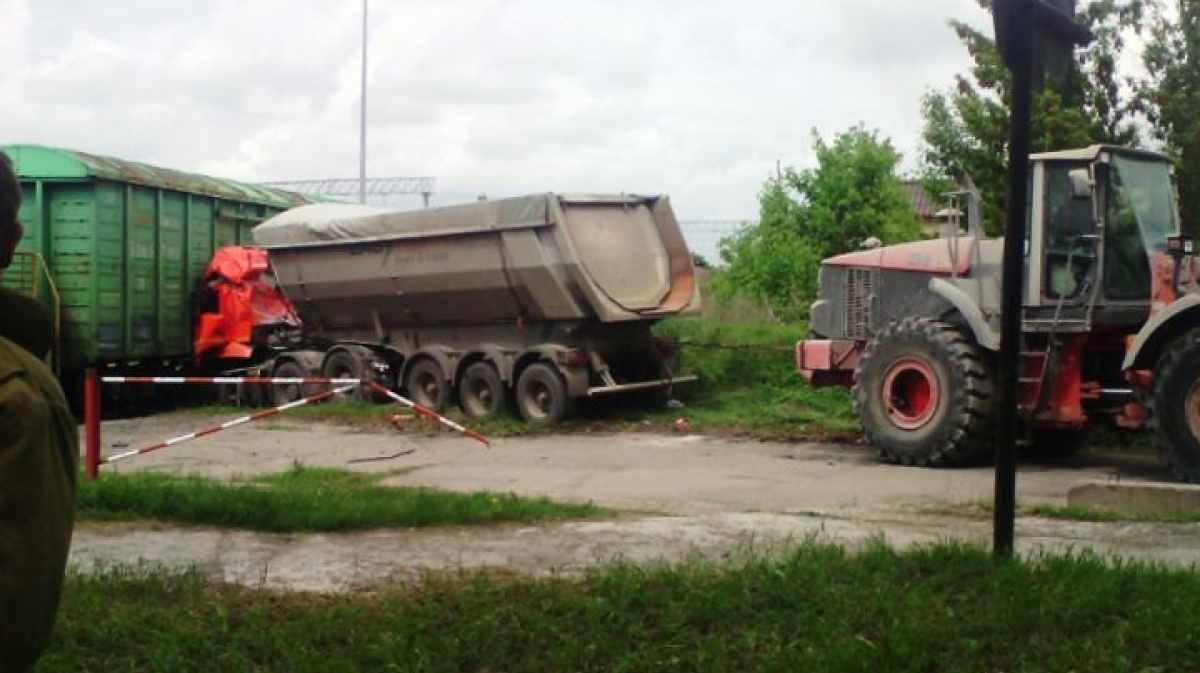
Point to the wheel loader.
(1110, 321)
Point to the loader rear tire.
(1175, 410)
(923, 394)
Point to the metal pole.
(91, 422)
(362, 126)
(1003, 526)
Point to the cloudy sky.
(694, 98)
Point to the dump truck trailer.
(541, 300)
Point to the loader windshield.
(1069, 262)
(1140, 217)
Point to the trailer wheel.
(1176, 406)
(426, 384)
(282, 394)
(346, 365)
(923, 394)
(481, 392)
(542, 395)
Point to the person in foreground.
(39, 452)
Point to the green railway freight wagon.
(115, 248)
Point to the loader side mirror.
(1081, 183)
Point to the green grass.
(304, 499)
(731, 356)
(817, 609)
(783, 414)
(352, 412)
(748, 386)
(983, 509)
(749, 383)
(1076, 513)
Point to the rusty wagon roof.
(37, 162)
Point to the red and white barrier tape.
(430, 413)
(269, 380)
(235, 422)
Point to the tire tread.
(1173, 362)
(967, 433)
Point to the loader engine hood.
(943, 256)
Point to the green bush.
(728, 356)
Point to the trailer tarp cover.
(539, 257)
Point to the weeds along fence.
(331, 388)
(736, 354)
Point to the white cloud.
(694, 98)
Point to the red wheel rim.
(910, 393)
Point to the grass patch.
(353, 413)
(305, 499)
(782, 414)
(816, 609)
(730, 356)
(748, 386)
(983, 509)
(1076, 513)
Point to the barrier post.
(91, 422)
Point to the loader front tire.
(923, 394)
(1176, 406)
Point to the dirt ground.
(679, 495)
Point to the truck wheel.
(1176, 406)
(481, 392)
(282, 394)
(426, 384)
(346, 365)
(542, 395)
(923, 394)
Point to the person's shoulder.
(23, 374)
(26, 322)
(14, 359)
(23, 403)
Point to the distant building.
(926, 207)
(939, 217)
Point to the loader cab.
(1098, 227)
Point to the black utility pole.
(1032, 36)
(1019, 57)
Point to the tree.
(1170, 96)
(966, 128)
(805, 216)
